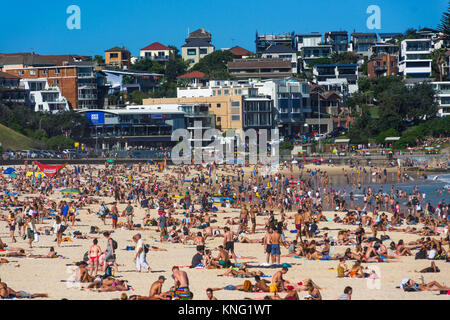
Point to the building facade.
(415, 59)
(197, 45)
(118, 57)
(382, 65)
(156, 52)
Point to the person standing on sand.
(228, 242)
(94, 256)
(298, 224)
(181, 284)
(276, 252)
(267, 243)
(140, 254)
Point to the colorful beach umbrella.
(13, 175)
(110, 160)
(9, 170)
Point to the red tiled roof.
(239, 51)
(193, 75)
(156, 46)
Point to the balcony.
(86, 75)
(87, 97)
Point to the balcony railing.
(87, 96)
(86, 75)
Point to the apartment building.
(260, 68)
(264, 41)
(348, 72)
(312, 39)
(337, 39)
(10, 89)
(415, 59)
(442, 90)
(77, 82)
(280, 51)
(362, 42)
(387, 36)
(197, 45)
(384, 48)
(382, 65)
(311, 53)
(42, 97)
(118, 57)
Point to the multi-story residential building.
(428, 33)
(77, 82)
(384, 48)
(338, 40)
(137, 80)
(118, 57)
(349, 72)
(198, 45)
(134, 126)
(442, 90)
(194, 78)
(266, 40)
(387, 36)
(10, 90)
(415, 59)
(312, 39)
(382, 65)
(311, 53)
(280, 51)
(361, 42)
(42, 97)
(157, 52)
(260, 68)
(291, 102)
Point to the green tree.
(99, 59)
(444, 26)
(438, 63)
(60, 142)
(344, 58)
(215, 65)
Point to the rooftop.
(197, 42)
(156, 46)
(278, 48)
(239, 51)
(193, 75)
(115, 49)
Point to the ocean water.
(436, 188)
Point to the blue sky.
(40, 26)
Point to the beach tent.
(392, 139)
(13, 175)
(110, 161)
(9, 170)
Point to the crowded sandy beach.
(152, 231)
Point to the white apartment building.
(442, 90)
(415, 58)
(312, 39)
(44, 98)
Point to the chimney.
(203, 30)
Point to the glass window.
(203, 51)
(235, 103)
(235, 117)
(192, 52)
(218, 105)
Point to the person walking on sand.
(267, 243)
(140, 257)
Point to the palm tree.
(439, 60)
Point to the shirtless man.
(155, 291)
(243, 219)
(94, 256)
(267, 243)
(228, 242)
(278, 279)
(276, 252)
(261, 284)
(253, 218)
(181, 280)
(298, 224)
(223, 259)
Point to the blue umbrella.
(9, 170)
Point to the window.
(236, 117)
(226, 92)
(203, 51)
(192, 52)
(113, 55)
(21, 72)
(219, 119)
(235, 103)
(214, 93)
(45, 71)
(57, 71)
(218, 105)
(55, 82)
(32, 72)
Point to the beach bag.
(108, 271)
(421, 255)
(114, 242)
(146, 248)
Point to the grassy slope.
(16, 141)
